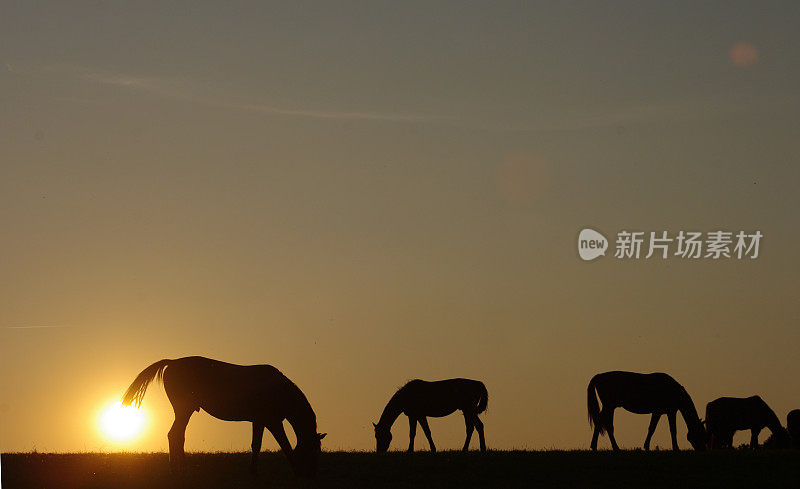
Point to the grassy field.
(572, 469)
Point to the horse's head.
(306, 456)
(383, 437)
(779, 438)
(698, 436)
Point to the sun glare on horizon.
(119, 423)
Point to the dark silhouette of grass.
(494, 469)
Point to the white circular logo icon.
(591, 244)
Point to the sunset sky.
(369, 192)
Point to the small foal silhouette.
(419, 399)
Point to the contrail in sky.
(39, 326)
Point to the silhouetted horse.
(726, 415)
(654, 394)
(419, 399)
(256, 393)
(793, 426)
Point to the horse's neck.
(391, 411)
(301, 416)
(689, 412)
(773, 423)
(304, 427)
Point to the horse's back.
(738, 413)
(626, 381)
(638, 392)
(201, 370)
(225, 390)
(458, 383)
(447, 385)
(441, 397)
(736, 404)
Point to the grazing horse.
(793, 426)
(655, 394)
(726, 415)
(419, 399)
(256, 393)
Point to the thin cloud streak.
(658, 111)
(39, 327)
(195, 92)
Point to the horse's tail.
(483, 400)
(135, 392)
(593, 406)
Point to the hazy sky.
(365, 193)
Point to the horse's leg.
(276, 428)
(673, 429)
(754, 437)
(468, 422)
(176, 436)
(258, 434)
(595, 435)
(721, 440)
(607, 418)
(651, 429)
(479, 426)
(412, 432)
(423, 421)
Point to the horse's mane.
(404, 386)
(773, 423)
(301, 401)
(689, 410)
(408, 382)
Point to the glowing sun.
(121, 423)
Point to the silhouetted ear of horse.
(793, 426)
(256, 393)
(419, 399)
(726, 415)
(656, 394)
